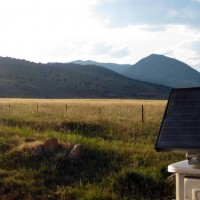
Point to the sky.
(119, 31)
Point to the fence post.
(37, 109)
(99, 113)
(142, 114)
(66, 108)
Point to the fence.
(133, 112)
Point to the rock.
(51, 145)
(76, 153)
(171, 178)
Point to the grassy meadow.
(119, 160)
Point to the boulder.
(76, 153)
(171, 178)
(51, 145)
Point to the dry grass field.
(119, 160)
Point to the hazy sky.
(121, 31)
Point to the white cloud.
(184, 53)
(187, 49)
(33, 28)
(65, 30)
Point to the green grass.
(119, 160)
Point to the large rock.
(171, 178)
(76, 153)
(51, 145)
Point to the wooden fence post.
(37, 109)
(142, 114)
(66, 108)
(99, 113)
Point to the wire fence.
(127, 112)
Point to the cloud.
(121, 31)
(120, 53)
(38, 30)
(126, 12)
(101, 49)
(187, 51)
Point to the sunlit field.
(118, 137)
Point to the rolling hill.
(20, 78)
(119, 68)
(156, 69)
(163, 70)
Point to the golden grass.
(120, 149)
(84, 109)
(28, 146)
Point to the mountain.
(20, 78)
(119, 68)
(163, 70)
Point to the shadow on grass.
(85, 129)
(102, 129)
(136, 186)
(53, 170)
(4, 147)
(32, 124)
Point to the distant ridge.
(119, 68)
(156, 69)
(20, 78)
